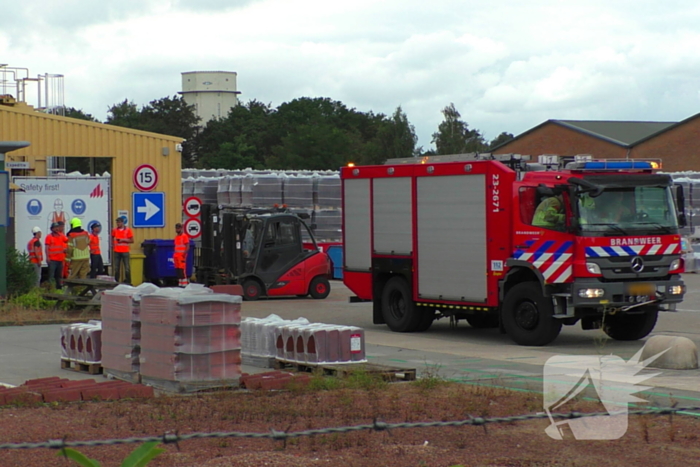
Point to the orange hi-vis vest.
(122, 233)
(36, 255)
(95, 245)
(56, 246)
(181, 243)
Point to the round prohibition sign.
(145, 177)
(192, 206)
(193, 227)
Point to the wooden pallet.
(82, 367)
(190, 386)
(342, 370)
(258, 362)
(130, 376)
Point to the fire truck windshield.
(640, 210)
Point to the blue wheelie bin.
(159, 265)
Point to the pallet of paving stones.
(388, 373)
(129, 376)
(258, 361)
(81, 367)
(190, 386)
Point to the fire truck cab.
(500, 245)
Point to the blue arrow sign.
(148, 209)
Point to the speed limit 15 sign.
(145, 177)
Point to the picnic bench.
(89, 293)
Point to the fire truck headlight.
(593, 268)
(675, 265)
(591, 293)
(676, 289)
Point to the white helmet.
(36, 230)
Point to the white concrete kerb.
(679, 353)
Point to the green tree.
(500, 139)
(454, 136)
(165, 116)
(315, 133)
(72, 112)
(247, 127)
(126, 114)
(397, 137)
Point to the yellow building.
(56, 136)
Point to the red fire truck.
(502, 245)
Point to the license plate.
(641, 288)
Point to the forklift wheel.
(251, 290)
(320, 287)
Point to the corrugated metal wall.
(54, 136)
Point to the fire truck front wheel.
(630, 327)
(527, 315)
(398, 309)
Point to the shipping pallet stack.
(191, 339)
(314, 193)
(81, 347)
(121, 337)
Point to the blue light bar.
(617, 165)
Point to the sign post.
(5, 147)
(148, 209)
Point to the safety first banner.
(47, 200)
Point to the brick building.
(677, 144)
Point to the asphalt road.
(462, 353)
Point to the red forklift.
(263, 251)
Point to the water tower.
(212, 93)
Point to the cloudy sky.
(506, 65)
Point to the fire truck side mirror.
(680, 205)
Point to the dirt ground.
(659, 440)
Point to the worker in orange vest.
(123, 238)
(56, 254)
(62, 231)
(36, 254)
(182, 248)
(96, 264)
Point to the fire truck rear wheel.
(319, 288)
(398, 309)
(251, 290)
(426, 321)
(630, 327)
(527, 315)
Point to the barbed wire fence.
(375, 426)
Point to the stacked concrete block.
(190, 335)
(55, 389)
(299, 192)
(329, 225)
(82, 342)
(328, 192)
(267, 190)
(247, 182)
(223, 193)
(319, 343)
(234, 190)
(121, 322)
(258, 339)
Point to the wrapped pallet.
(191, 339)
(121, 330)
